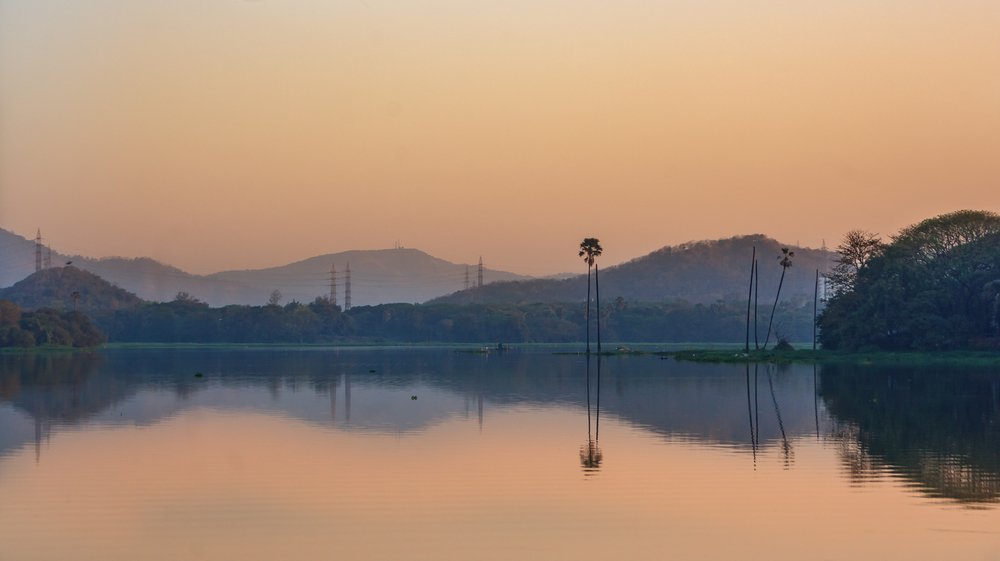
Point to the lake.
(390, 454)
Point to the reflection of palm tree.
(756, 402)
(590, 249)
(590, 452)
(591, 457)
(816, 401)
(588, 397)
(753, 438)
(785, 445)
(597, 419)
(785, 260)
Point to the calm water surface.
(439, 455)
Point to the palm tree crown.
(590, 249)
(785, 259)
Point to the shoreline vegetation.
(720, 353)
(821, 356)
(931, 293)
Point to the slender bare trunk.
(753, 262)
(774, 307)
(588, 309)
(815, 305)
(756, 293)
(597, 290)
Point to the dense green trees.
(858, 248)
(19, 328)
(935, 286)
(320, 322)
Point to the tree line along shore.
(934, 286)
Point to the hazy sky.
(216, 134)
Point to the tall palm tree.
(590, 249)
(785, 260)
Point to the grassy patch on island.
(968, 358)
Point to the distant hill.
(158, 282)
(55, 288)
(698, 272)
(145, 277)
(378, 276)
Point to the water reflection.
(590, 452)
(938, 429)
(786, 446)
(750, 412)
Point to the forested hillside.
(699, 272)
(69, 288)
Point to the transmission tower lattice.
(347, 288)
(38, 250)
(333, 284)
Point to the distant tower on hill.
(467, 277)
(479, 282)
(38, 250)
(333, 284)
(347, 288)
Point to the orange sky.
(230, 133)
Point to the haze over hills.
(698, 272)
(378, 276)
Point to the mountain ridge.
(703, 271)
(378, 276)
(699, 271)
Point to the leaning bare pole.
(753, 263)
(756, 293)
(588, 311)
(785, 260)
(815, 302)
